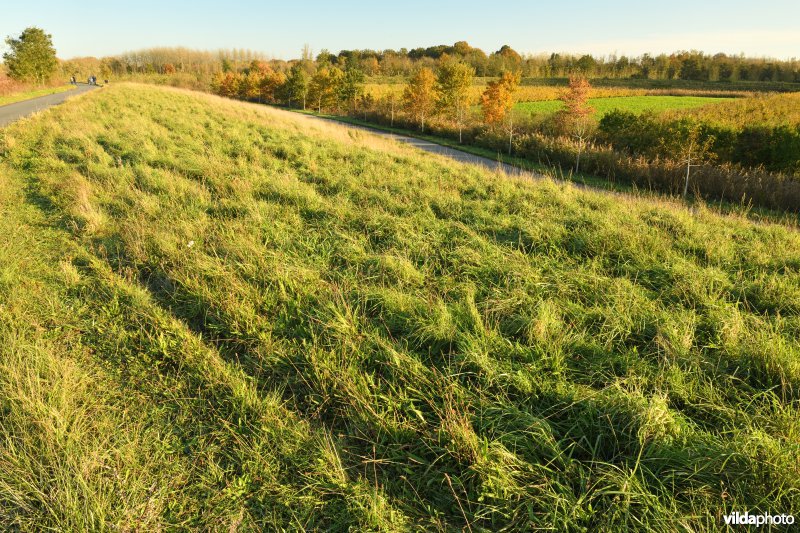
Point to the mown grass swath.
(632, 104)
(215, 316)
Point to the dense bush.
(775, 148)
(728, 182)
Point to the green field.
(634, 104)
(27, 95)
(219, 316)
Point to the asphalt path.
(432, 147)
(12, 112)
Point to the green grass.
(755, 213)
(218, 316)
(27, 95)
(633, 104)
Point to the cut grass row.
(215, 315)
(632, 104)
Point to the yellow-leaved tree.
(498, 100)
(453, 83)
(419, 96)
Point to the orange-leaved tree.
(498, 100)
(250, 86)
(226, 84)
(419, 95)
(271, 84)
(575, 118)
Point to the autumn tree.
(497, 101)
(575, 118)
(270, 86)
(453, 82)
(297, 84)
(31, 57)
(226, 84)
(371, 66)
(419, 96)
(498, 98)
(324, 87)
(250, 86)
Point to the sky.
(768, 28)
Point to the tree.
(270, 85)
(352, 83)
(506, 59)
(226, 84)
(390, 101)
(325, 87)
(453, 82)
(32, 56)
(498, 100)
(250, 86)
(575, 117)
(685, 141)
(297, 84)
(419, 96)
(367, 101)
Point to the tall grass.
(219, 316)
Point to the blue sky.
(92, 27)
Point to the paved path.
(434, 148)
(11, 112)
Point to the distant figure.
(105, 82)
(73, 81)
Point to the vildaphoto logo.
(758, 520)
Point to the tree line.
(681, 65)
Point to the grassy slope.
(27, 95)
(214, 315)
(633, 104)
(753, 213)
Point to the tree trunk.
(460, 124)
(686, 182)
(510, 134)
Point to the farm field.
(763, 110)
(220, 316)
(537, 93)
(633, 104)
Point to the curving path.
(434, 148)
(11, 112)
